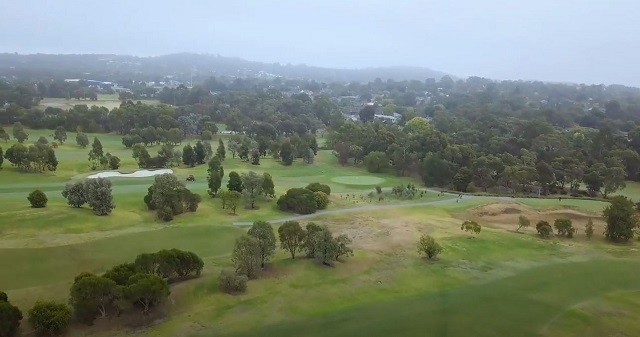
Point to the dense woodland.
(468, 135)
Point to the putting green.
(358, 180)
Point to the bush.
(378, 189)
(38, 199)
(49, 318)
(318, 187)
(322, 200)
(10, 317)
(544, 229)
(298, 200)
(232, 283)
(428, 246)
(564, 227)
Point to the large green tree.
(263, 232)
(621, 219)
(246, 256)
(291, 237)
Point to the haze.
(551, 40)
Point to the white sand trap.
(136, 174)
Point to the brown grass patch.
(505, 215)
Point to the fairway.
(496, 283)
(358, 180)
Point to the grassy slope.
(518, 305)
(473, 288)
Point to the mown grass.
(496, 284)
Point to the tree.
(170, 197)
(147, 291)
(49, 318)
(594, 179)
(255, 157)
(544, 229)
(214, 181)
(298, 200)
(235, 182)
(523, 222)
(286, 152)
(215, 165)
(376, 162)
(291, 237)
(113, 161)
(199, 153)
(99, 195)
(18, 132)
(221, 152)
(4, 135)
(613, 180)
(564, 227)
(10, 317)
(75, 194)
(471, 226)
(82, 140)
(251, 187)
(318, 187)
(263, 232)
(267, 185)
(1, 157)
(621, 220)
(246, 256)
(121, 273)
(233, 147)
(91, 296)
(322, 199)
(42, 140)
(343, 242)
(325, 246)
(367, 113)
(206, 135)
(188, 156)
(588, 229)
(428, 246)
(230, 200)
(37, 199)
(96, 154)
(60, 134)
(232, 283)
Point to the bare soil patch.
(506, 215)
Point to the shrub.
(378, 189)
(38, 199)
(298, 200)
(322, 200)
(544, 229)
(232, 283)
(564, 227)
(315, 187)
(428, 246)
(49, 318)
(10, 317)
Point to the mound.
(506, 215)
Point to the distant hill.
(185, 65)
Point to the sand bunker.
(506, 215)
(136, 174)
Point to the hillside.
(120, 67)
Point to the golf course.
(496, 282)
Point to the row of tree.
(142, 285)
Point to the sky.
(581, 41)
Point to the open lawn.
(498, 283)
(107, 101)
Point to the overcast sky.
(590, 41)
